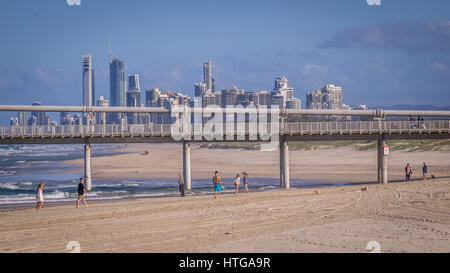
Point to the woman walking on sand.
(408, 172)
(39, 196)
(237, 181)
(245, 182)
(81, 192)
(217, 184)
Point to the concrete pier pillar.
(382, 162)
(384, 174)
(87, 166)
(284, 163)
(187, 165)
(379, 160)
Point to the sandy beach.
(401, 217)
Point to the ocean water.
(23, 167)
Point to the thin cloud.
(421, 36)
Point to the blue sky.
(395, 53)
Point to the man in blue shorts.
(217, 184)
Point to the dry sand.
(413, 217)
(402, 217)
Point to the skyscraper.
(207, 76)
(116, 85)
(101, 117)
(116, 81)
(200, 89)
(88, 80)
(133, 82)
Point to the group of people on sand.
(408, 171)
(217, 182)
(236, 182)
(81, 193)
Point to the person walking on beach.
(408, 172)
(39, 196)
(425, 171)
(245, 182)
(81, 193)
(181, 184)
(217, 184)
(237, 181)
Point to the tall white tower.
(207, 76)
(87, 80)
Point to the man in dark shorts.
(81, 193)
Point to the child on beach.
(237, 181)
(217, 184)
(408, 172)
(39, 196)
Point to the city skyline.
(350, 44)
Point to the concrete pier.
(382, 162)
(187, 165)
(87, 166)
(284, 163)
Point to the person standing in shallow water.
(181, 184)
(245, 182)
(39, 196)
(217, 184)
(81, 193)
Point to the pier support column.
(187, 165)
(382, 162)
(87, 166)
(284, 163)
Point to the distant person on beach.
(245, 182)
(408, 172)
(39, 196)
(236, 182)
(421, 122)
(81, 193)
(181, 184)
(217, 184)
(412, 122)
(425, 171)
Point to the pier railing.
(236, 129)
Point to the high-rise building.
(333, 96)
(329, 97)
(264, 97)
(22, 118)
(116, 82)
(88, 81)
(37, 117)
(315, 100)
(281, 92)
(200, 89)
(151, 97)
(208, 99)
(207, 76)
(133, 82)
(101, 116)
(229, 96)
(293, 103)
(116, 86)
